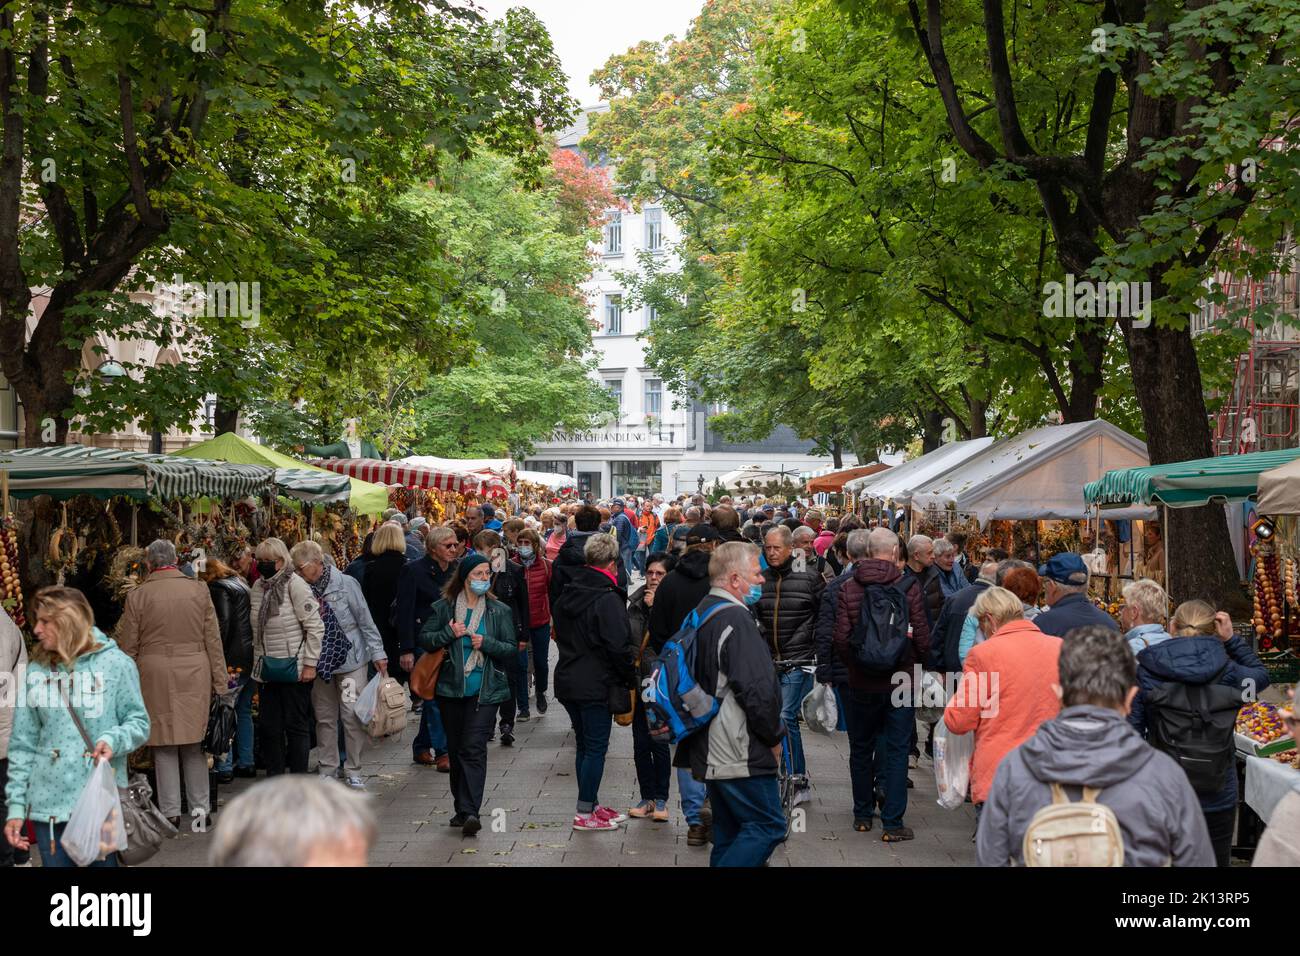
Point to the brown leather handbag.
(424, 676)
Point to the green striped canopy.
(1188, 484)
(67, 470)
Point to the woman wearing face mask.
(537, 578)
(650, 754)
(287, 627)
(479, 634)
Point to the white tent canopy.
(741, 477)
(501, 467)
(553, 481)
(898, 482)
(1036, 475)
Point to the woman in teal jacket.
(478, 632)
(49, 762)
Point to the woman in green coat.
(478, 633)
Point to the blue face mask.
(525, 553)
(755, 592)
(480, 587)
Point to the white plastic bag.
(368, 699)
(952, 753)
(95, 828)
(933, 698)
(820, 713)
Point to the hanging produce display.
(1269, 617)
(11, 591)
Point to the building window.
(641, 478)
(614, 232)
(614, 315)
(615, 388)
(550, 467)
(651, 314)
(654, 396)
(654, 229)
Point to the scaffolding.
(1262, 410)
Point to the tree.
(219, 129)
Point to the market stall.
(1268, 767)
(436, 493)
(893, 487)
(566, 486)
(503, 468)
(833, 480)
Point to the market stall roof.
(1279, 490)
(747, 473)
(295, 478)
(832, 480)
(1036, 475)
(501, 467)
(898, 482)
(557, 483)
(1188, 484)
(403, 475)
(64, 471)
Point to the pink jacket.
(1004, 694)
(823, 541)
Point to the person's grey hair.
(473, 508)
(876, 543)
(1096, 667)
(1149, 598)
(803, 533)
(272, 549)
(279, 822)
(600, 550)
(919, 542)
(160, 553)
(734, 556)
(305, 552)
(693, 514)
(1006, 567)
(943, 546)
(400, 518)
(437, 536)
(783, 533)
(1068, 588)
(989, 572)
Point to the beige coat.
(296, 630)
(169, 628)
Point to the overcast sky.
(585, 34)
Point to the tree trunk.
(932, 436)
(43, 388)
(837, 454)
(1201, 563)
(979, 426)
(226, 416)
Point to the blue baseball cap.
(1065, 568)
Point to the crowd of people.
(1061, 703)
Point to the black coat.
(419, 587)
(511, 589)
(593, 639)
(931, 590)
(787, 611)
(569, 558)
(678, 593)
(379, 585)
(947, 630)
(230, 597)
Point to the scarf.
(475, 659)
(336, 645)
(273, 596)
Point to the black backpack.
(1194, 724)
(879, 638)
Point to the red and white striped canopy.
(411, 476)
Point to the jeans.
(795, 686)
(1221, 824)
(540, 639)
(285, 711)
(693, 795)
(241, 755)
(431, 735)
(747, 820)
(8, 855)
(469, 724)
(878, 732)
(507, 708)
(650, 754)
(591, 728)
(59, 858)
(638, 559)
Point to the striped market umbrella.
(410, 476)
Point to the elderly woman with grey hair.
(294, 821)
(951, 580)
(351, 642)
(287, 636)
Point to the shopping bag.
(952, 753)
(95, 828)
(819, 709)
(933, 698)
(368, 699)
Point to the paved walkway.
(528, 811)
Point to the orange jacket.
(1004, 694)
(649, 524)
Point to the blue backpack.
(675, 704)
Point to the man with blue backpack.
(733, 744)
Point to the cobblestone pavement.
(531, 788)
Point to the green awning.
(64, 471)
(1188, 484)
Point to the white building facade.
(659, 441)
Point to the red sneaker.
(592, 822)
(613, 816)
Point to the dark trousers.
(469, 725)
(540, 639)
(878, 733)
(285, 711)
(1221, 824)
(509, 706)
(747, 820)
(650, 754)
(591, 727)
(8, 855)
